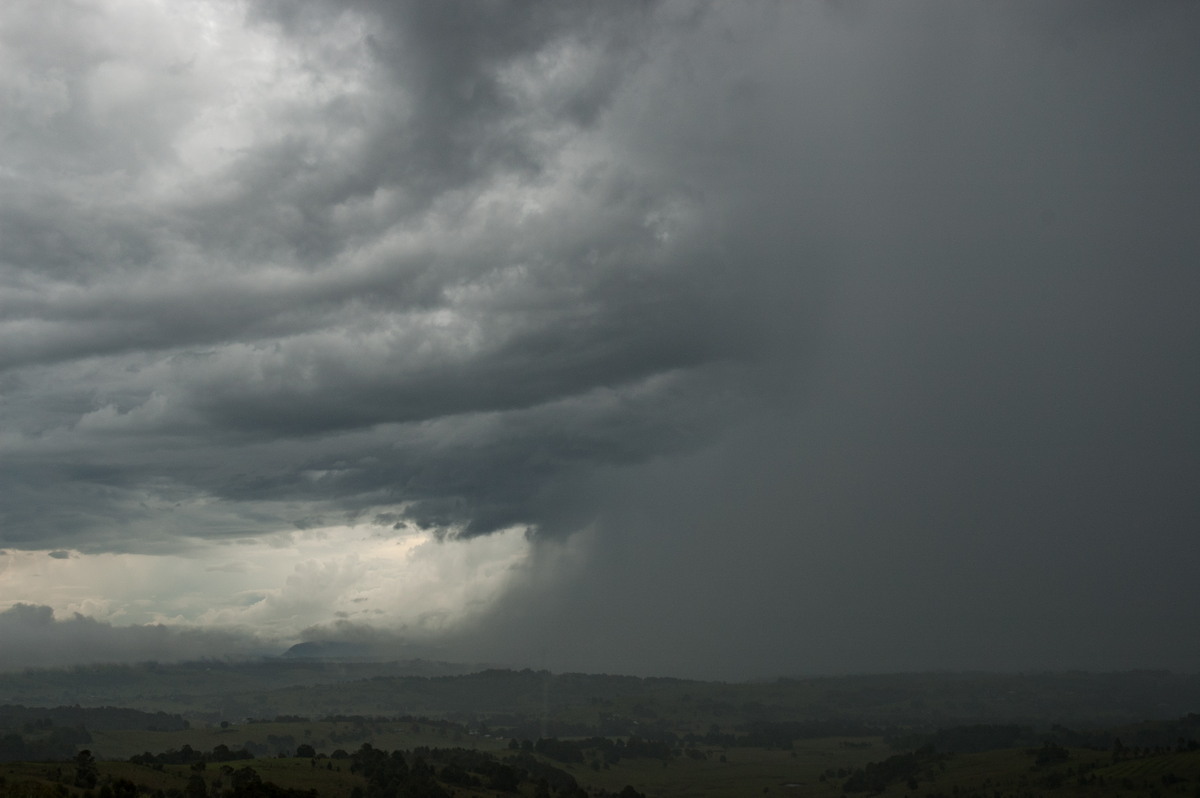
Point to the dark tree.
(86, 773)
(195, 787)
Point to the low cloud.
(34, 637)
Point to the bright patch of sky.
(411, 584)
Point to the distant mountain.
(333, 652)
(24, 719)
(336, 650)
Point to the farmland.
(367, 730)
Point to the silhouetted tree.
(86, 773)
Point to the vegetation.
(534, 734)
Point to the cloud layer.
(34, 638)
(793, 337)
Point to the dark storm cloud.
(433, 119)
(440, 117)
(448, 57)
(285, 341)
(854, 336)
(505, 468)
(981, 453)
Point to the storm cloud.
(788, 337)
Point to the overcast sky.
(725, 340)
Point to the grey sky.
(723, 340)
